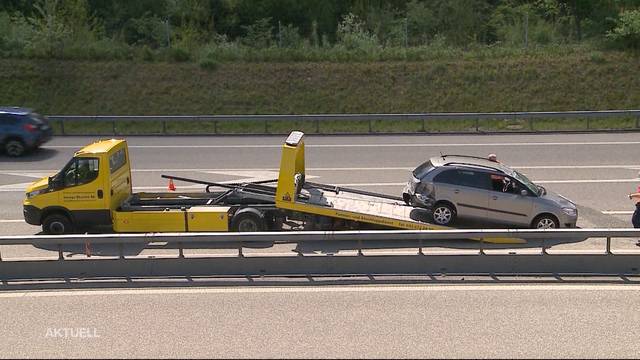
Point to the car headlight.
(35, 193)
(570, 211)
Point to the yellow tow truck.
(94, 191)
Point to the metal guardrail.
(361, 237)
(317, 119)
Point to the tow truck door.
(81, 190)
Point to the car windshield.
(528, 183)
(422, 170)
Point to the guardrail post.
(63, 133)
(240, 254)
(477, 124)
(544, 247)
(215, 126)
(424, 125)
(114, 127)
(638, 121)
(608, 245)
(121, 250)
(588, 122)
(369, 126)
(360, 247)
(482, 246)
(531, 124)
(60, 254)
(420, 252)
(266, 126)
(318, 126)
(180, 251)
(164, 127)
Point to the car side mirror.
(524, 192)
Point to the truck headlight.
(570, 211)
(35, 193)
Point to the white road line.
(401, 145)
(321, 289)
(618, 212)
(11, 221)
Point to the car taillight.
(30, 127)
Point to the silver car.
(466, 187)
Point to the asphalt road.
(594, 170)
(416, 321)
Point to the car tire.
(443, 214)
(14, 147)
(545, 221)
(57, 224)
(247, 221)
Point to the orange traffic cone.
(172, 187)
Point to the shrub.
(258, 35)
(627, 31)
(353, 36)
(178, 54)
(208, 64)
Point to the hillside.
(564, 82)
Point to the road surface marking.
(618, 212)
(322, 289)
(11, 221)
(270, 146)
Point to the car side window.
(475, 179)
(447, 177)
(505, 184)
(81, 171)
(8, 120)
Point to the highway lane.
(415, 321)
(595, 170)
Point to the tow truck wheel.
(443, 214)
(248, 221)
(56, 224)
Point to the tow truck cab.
(94, 190)
(85, 192)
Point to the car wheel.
(443, 214)
(545, 222)
(56, 224)
(14, 147)
(247, 222)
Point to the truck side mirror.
(54, 183)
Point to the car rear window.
(422, 170)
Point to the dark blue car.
(22, 130)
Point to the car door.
(468, 190)
(507, 204)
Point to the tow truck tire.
(56, 224)
(443, 214)
(248, 220)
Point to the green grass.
(336, 127)
(474, 81)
